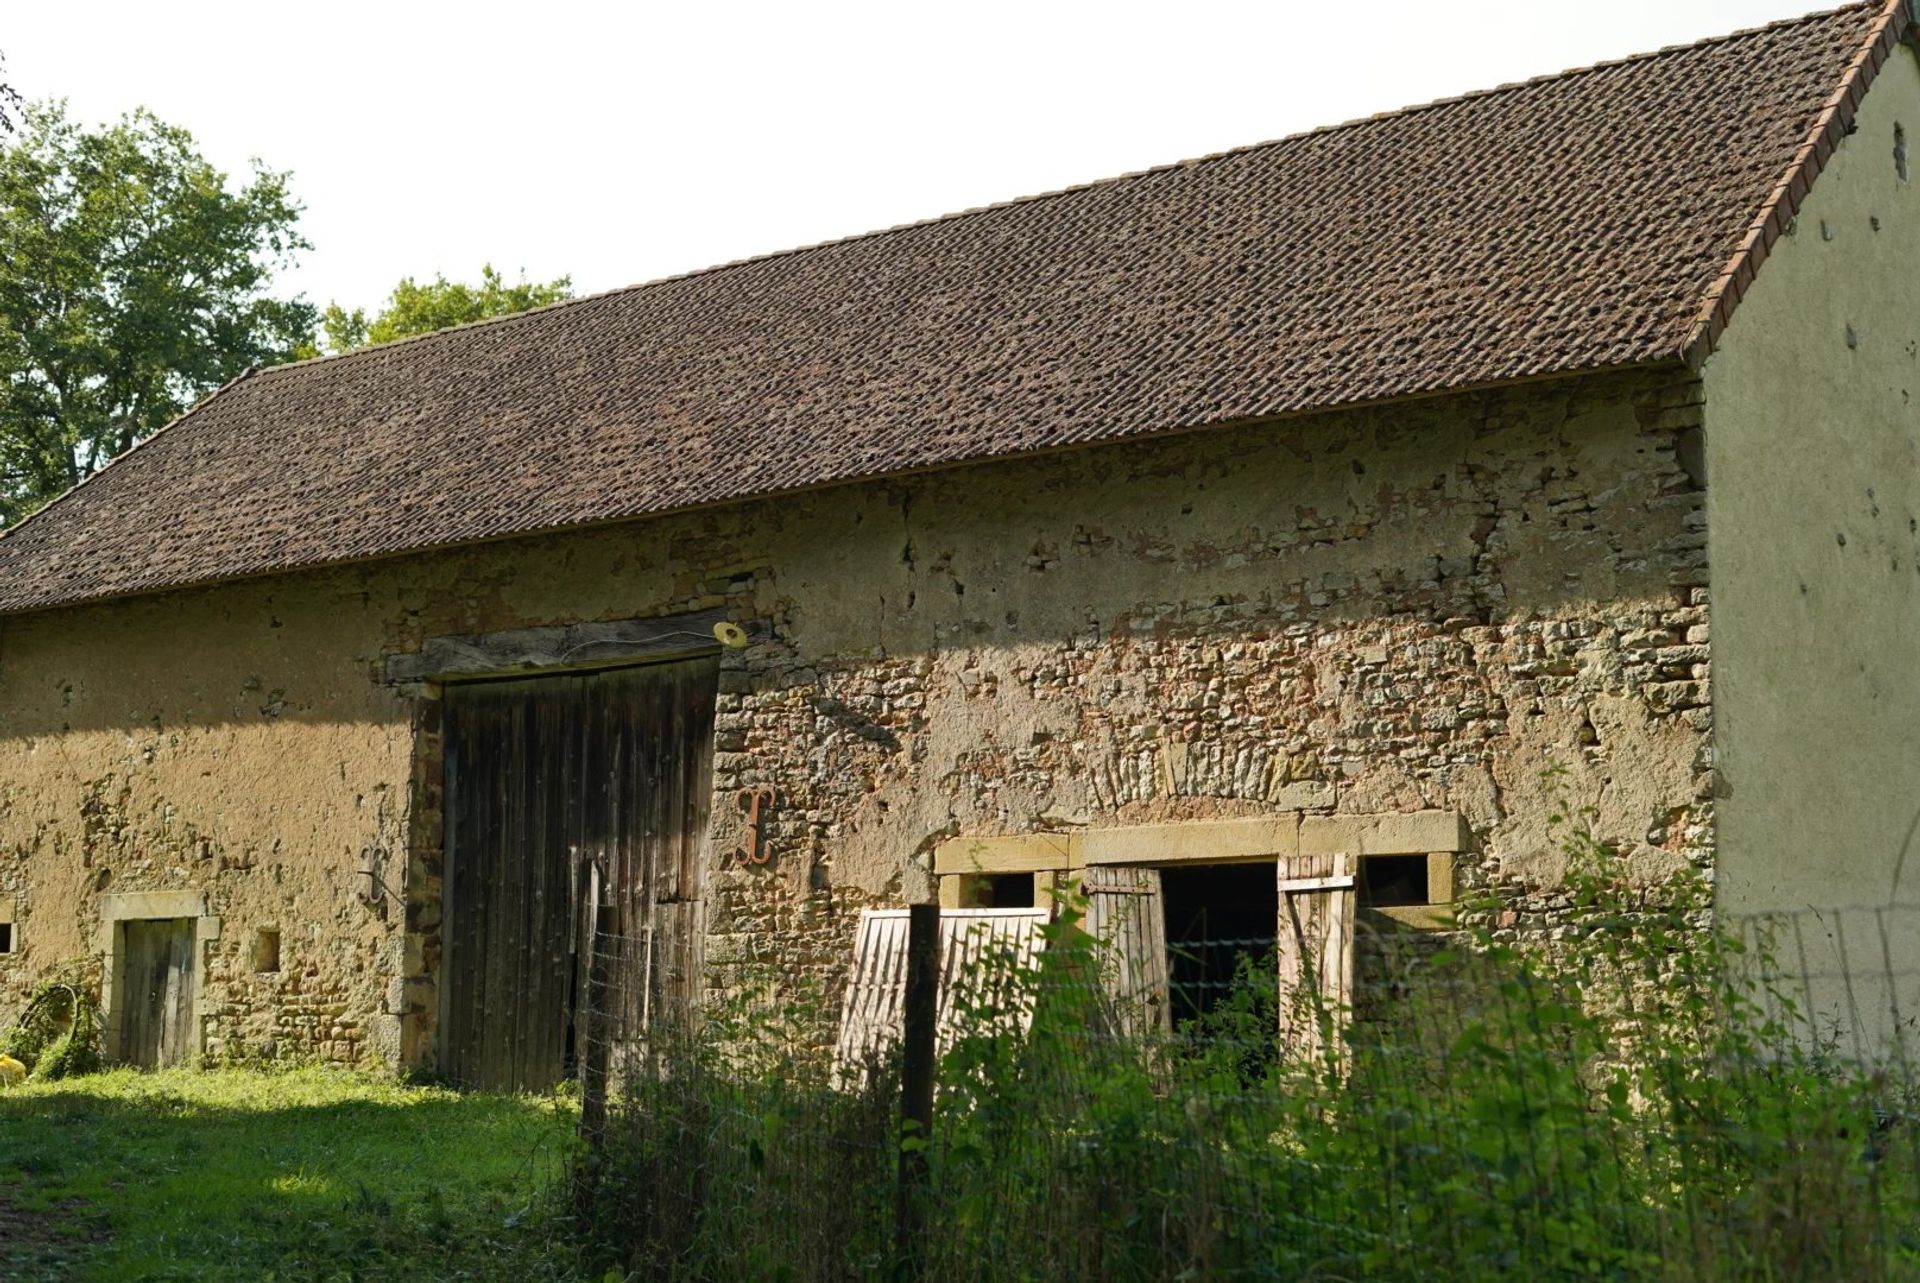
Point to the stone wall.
(1418, 606)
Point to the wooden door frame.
(1280, 838)
(119, 908)
(422, 677)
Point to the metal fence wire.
(1630, 1097)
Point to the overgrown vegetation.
(58, 1032)
(310, 1174)
(1633, 1099)
(1633, 1096)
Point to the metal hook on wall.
(755, 802)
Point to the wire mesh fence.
(1629, 1097)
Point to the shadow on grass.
(310, 1174)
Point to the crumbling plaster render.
(1416, 607)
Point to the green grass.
(306, 1174)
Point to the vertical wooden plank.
(512, 889)
(544, 1004)
(654, 866)
(489, 812)
(139, 1039)
(487, 805)
(1126, 910)
(450, 990)
(574, 824)
(512, 893)
(177, 1030)
(1314, 951)
(872, 1010)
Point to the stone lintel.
(1434, 834)
(1026, 853)
(1413, 833)
(1266, 837)
(123, 906)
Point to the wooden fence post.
(921, 1005)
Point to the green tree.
(9, 100)
(414, 308)
(133, 281)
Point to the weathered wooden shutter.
(981, 953)
(1128, 914)
(1315, 949)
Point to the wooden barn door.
(558, 789)
(1126, 911)
(155, 992)
(1315, 948)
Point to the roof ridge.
(974, 211)
(1809, 160)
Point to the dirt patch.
(46, 1242)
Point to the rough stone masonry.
(1423, 605)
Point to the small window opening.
(1389, 880)
(266, 950)
(1000, 891)
(6, 937)
(1220, 917)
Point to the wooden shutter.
(1315, 948)
(1128, 914)
(975, 946)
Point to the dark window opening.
(266, 950)
(1387, 880)
(1220, 917)
(6, 937)
(1000, 891)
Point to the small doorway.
(1219, 917)
(155, 991)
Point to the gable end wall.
(1813, 466)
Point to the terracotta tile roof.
(1599, 218)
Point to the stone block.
(1302, 795)
(1205, 841)
(1025, 853)
(1412, 833)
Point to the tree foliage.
(133, 281)
(416, 308)
(9, 100)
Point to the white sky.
(620, 143)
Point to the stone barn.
(1299, 506)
